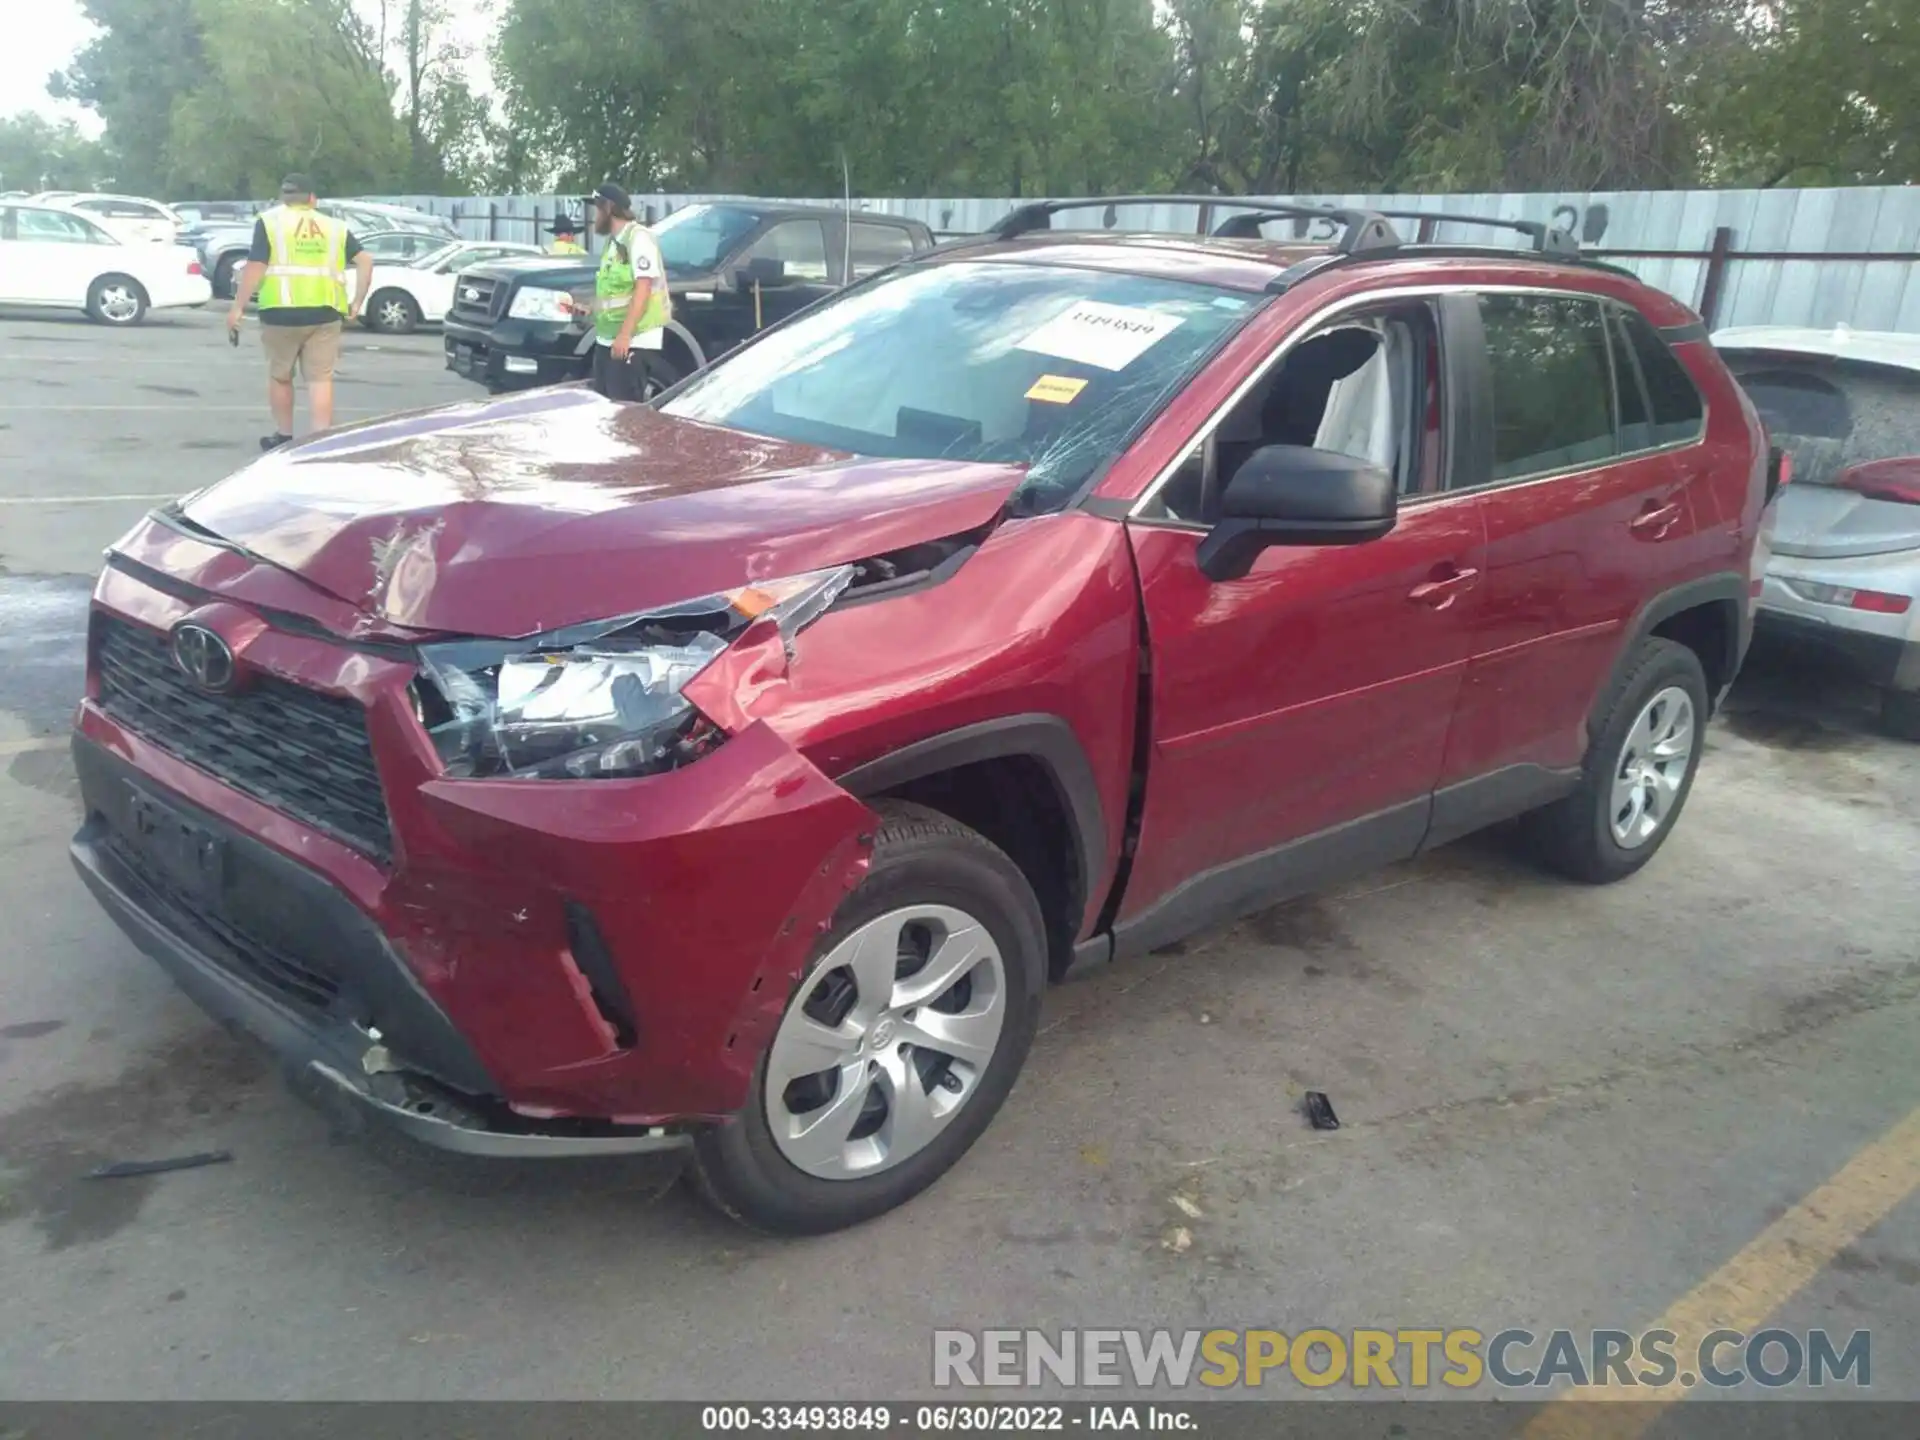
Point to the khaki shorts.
(315, 347)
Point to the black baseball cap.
(296, 184)
(613, 195)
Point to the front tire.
(392, 312)
(223, 281)
(116, 300)
(1638, 772)
(899, 1044)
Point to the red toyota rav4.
(730, 775)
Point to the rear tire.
(1638, 772)
(392, 312)
(116, 300)
(1900, 714)
(981, 923)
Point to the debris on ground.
(1179, 1240)
(1320, 1111)
(1186, 1207)
(122, 1169)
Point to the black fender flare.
(1727, 589)
(1044, 738)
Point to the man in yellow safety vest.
(631, 306)
(564, 237)
(298, 265)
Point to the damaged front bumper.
(346, 1067)
(540, 968)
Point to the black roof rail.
(1359, 229)
(1547, 239)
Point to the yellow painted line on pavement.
(1742, 1293)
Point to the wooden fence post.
(1716, 277)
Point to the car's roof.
(69, 197)
(1255, 265)
(1842, 342)
(769, 208)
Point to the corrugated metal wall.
(1864, 293)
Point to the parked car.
(1845, 575)
(727, 776)
(733, 269)
(53, 256)
(223, 248)
(131, 216)
(203, 212)
(403, 297)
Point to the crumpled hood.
(515, 516)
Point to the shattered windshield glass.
(1037, 365)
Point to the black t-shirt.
(261, 252)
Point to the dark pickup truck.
(734, 268)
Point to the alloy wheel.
(1652, 768)
(118, 303)
(886, 1042)
(393, 315)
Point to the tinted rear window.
(1829, 414)
(1659, 404)
(1552, 383)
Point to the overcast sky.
(42, 36)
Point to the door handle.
(1439, 594)
(1655, 523)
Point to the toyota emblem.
(206, 659)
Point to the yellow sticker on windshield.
(1056, 389)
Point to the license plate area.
(189, 855)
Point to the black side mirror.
(763, 271)
(1291, 495)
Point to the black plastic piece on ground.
(1320, 1111)
(122, 1169)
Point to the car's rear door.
(1591, 501)
(1299, 716)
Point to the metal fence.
(1739, 257)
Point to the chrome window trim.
(1332, 311)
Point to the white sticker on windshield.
(1111, 337)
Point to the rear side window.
(877, 246)
(1552, 386)
(1659, 404)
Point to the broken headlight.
(601, 700)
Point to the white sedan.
(404, 297)
(55, 257)
(132, 217)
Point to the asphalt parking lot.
(1561, 1107)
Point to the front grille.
(295, 749)
(485, 301)
(236, 945)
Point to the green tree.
(292, 85)
(147, 56)
(1821, 92)
(40, 154)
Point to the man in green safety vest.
(565, 237)
(298, 265)
(631, 306)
